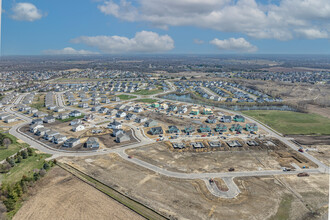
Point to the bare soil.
(190, 199)
(60, 195)
(312, 140)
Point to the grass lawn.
(148, 92)
(71, 118)
(146, 100)
(283, 211)
(26, 167)
(126, 97)
(288, 122)
(39, 102)
(12, 149)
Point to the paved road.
(143, 140)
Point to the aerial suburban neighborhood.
(165, 110)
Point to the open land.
(178, 198)
(62, 196)
(293, 122)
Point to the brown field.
(188, 199)
(321, 152)
(60, 195)
(242, 159)
(311, 98)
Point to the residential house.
(204, 129)
(78, 127)
(83, 105)
(211, 119)
(89, 117)
(239, 118)
(59, 109)
(221, 128)
(41, 131)
(92, 142)
(40, 114)
(251, 127)
(236, 128)
(63, 116)
(75, 122)
(50, 134)
(116, 132)
(150, 123)
(141, 119)
(128, 108)
(38, 121)
(10, 119)
(35, 127)
(75, 113)
(120, 114)
(225, 119)
(173, 129)
(59, 139)
(122, 138)
(115, 125)
(207, 111)
(71, 142)
(189, 129)
(49, 119)
(194, 111)
(138, 109)
(156, 131)
(130, 116)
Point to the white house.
(75, 113)
(77, 128)
(115, 125)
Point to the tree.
(11, 161)
(42, 172)
(6, 142)
(30, 151)
(19, 159)
(5, 167)
(24, 154)
(36, 176)
(18, 189)
(46, 166)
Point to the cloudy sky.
(165, 26)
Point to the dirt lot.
(321, 152)
(311, 140)
(216, 161)
(185, 199)
(61, 196)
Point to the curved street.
(227, 177)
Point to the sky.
(56, 27)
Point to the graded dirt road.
(60, 195)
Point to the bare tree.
(6, 142)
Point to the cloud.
(198, 41)
(234, 44)
(142, 42)
(312, 33)
(282, 21)
(69, 51)
(25, 11)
